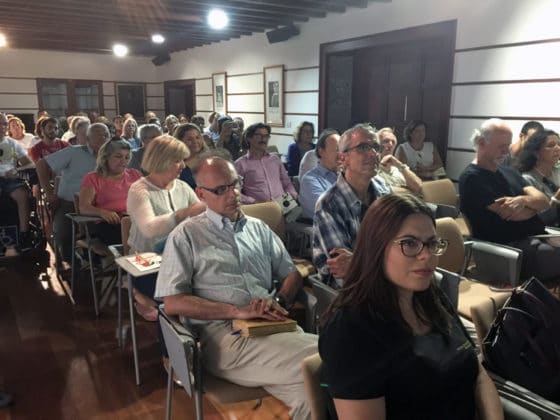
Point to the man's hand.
(340, 262)
(265, 308)
(510, 207)
(389, 161)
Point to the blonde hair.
(162, 151)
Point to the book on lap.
(261, 327)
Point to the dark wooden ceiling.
(94, 26)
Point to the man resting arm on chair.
(221, 265)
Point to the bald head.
(219, 187)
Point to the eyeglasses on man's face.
(260, 136)
(365, 147)
(411, 247)
(222, 189)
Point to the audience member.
(79, 128)
(528, 129)
(156, 204)
(202, 279)
(339, 211)
(421, 156)
(319, 179)
(537, 162)
(393, 344)
(192, 137)
(397, 174)
(12, 155)
(130, 129)
(308, 162)
(72, 164)
(303, 142)
(16, 130)
(118, 121)
(147, 132)
(170, 124)
(148, 115)
(501, 206)
(183, 118)
(104, 191)
(198, 120)
(228, 138)
(211, 133)
(48, 129)
(264, 175)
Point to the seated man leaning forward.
(339, 211)
(502, 207)
(221, 265)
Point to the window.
(67, 97)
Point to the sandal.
(149, 313)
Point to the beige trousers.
(273, 362)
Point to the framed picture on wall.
(274, 95)
(219, 92)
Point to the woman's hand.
(110, 216)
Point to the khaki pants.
(273, 362)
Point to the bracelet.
(554, 200)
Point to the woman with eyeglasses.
(392, 345)
(420, 155)
(156, 204)
(104, 191)
(537, 161)
(303, 142)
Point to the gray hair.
(346, 138)
(486, 129)
(96, 126)
(147, 132)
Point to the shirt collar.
(224, 223)
(250, 155)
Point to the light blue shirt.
(210, 257)
(72, 164)
(314, 183)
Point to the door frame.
(179, 83)
(444, 31)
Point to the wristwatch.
(280, 300)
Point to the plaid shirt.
(338, 215)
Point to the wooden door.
(180, 97)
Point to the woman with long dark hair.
(392, 346)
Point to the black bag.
(523, 344)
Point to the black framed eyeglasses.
(411, 247)
(365, 147)
(222, 189)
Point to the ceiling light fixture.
(217, 19)
(158, 39)
(3, 41)
(120, 50)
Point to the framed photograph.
(219, 91)
(274, 95)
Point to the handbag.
(523, 343)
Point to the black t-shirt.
(479, 188)
(421, 377)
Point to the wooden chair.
(311, 368)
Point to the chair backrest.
(270, 213)
(441, 191)
(484, 313)
(448, 282)
(454, 259)
(126, 222)
(324, 294)
(181, 347)
(311, 368)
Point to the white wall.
(491, 77)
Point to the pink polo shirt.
(111, 194)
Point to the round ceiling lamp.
(217, 19)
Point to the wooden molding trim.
(302, 91)
(229, 76)
(315, 114)
(19, 93)
(511, 44)
(503, 117)
(302, 68)
(247, 93)
(503, 82)
(245, 112)
(461, 149)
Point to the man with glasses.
(222, 265)
(71, 164)
(340, 209)
(264, 175)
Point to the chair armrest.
(117, 250)
(80, 219)
(496, 264)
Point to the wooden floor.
(60, 362)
